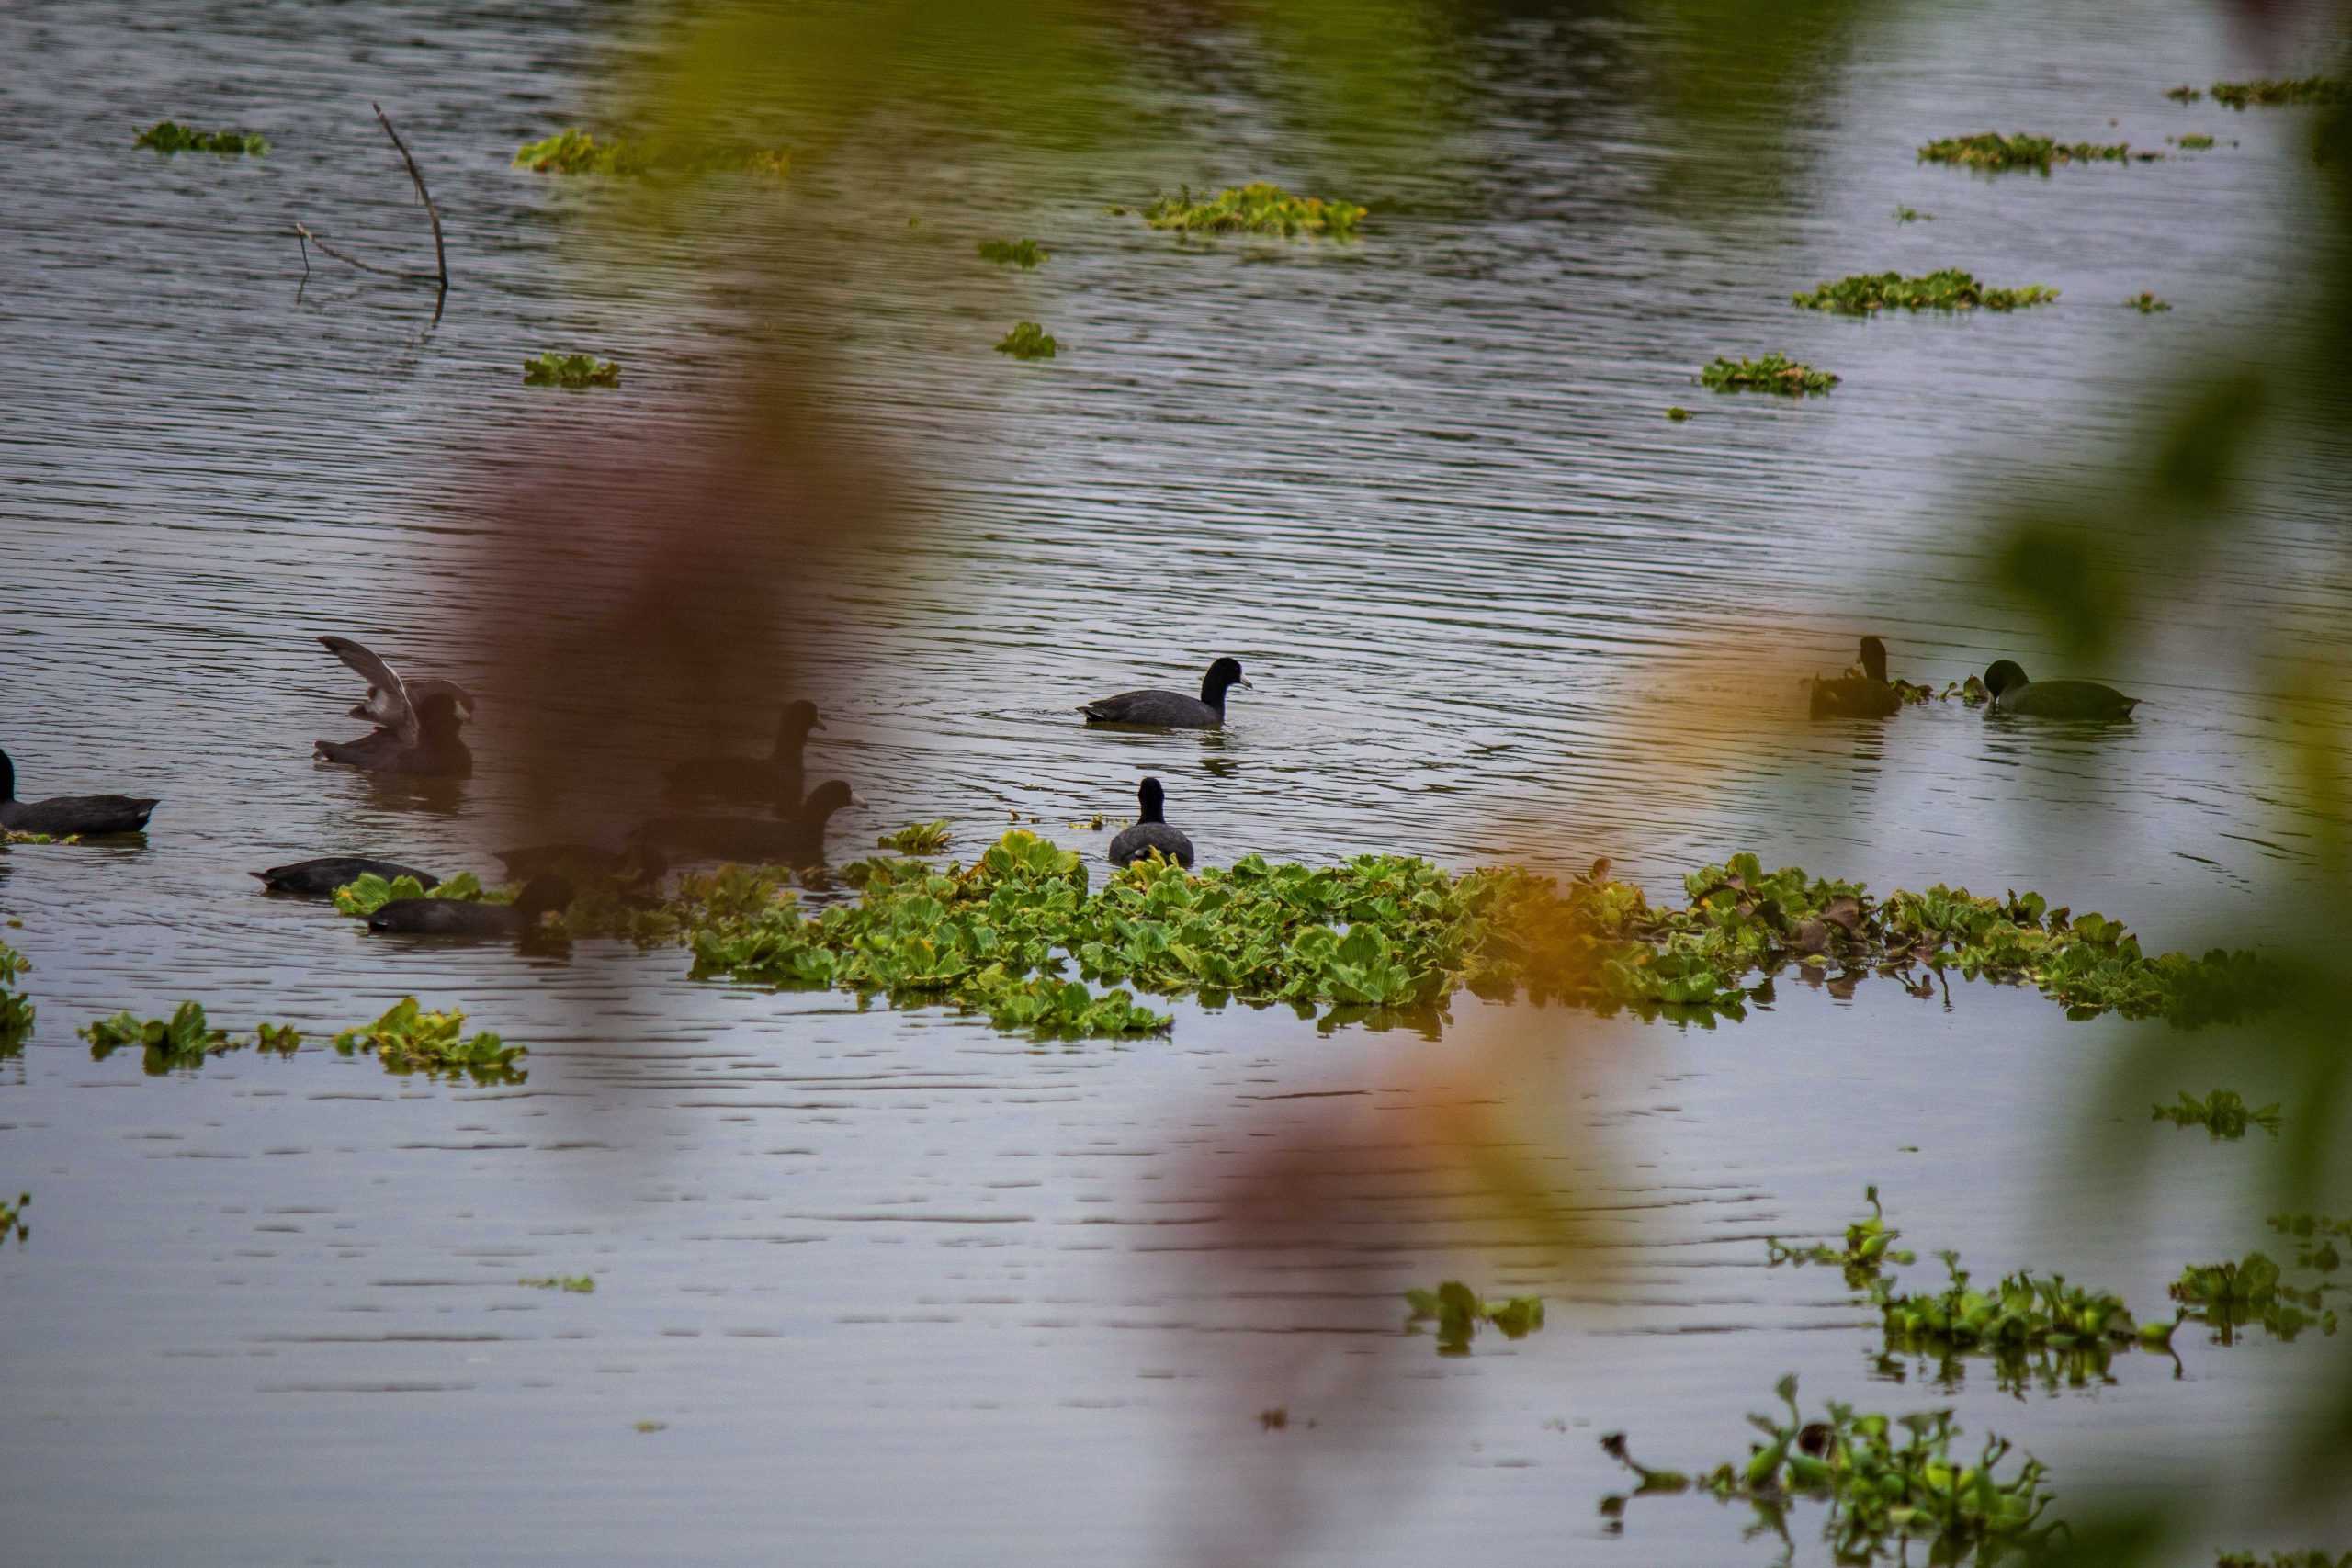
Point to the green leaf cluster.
(2315, 1237)
(371, 891)
(575, 151)
(916, 838)
(1773, 373)
(2221, 1113)
(2227, 1297)
(167, 136)
(2184, 93)
(1865, 293)
(574, 370)
(1459, 1314)
(2282, 1560)
(1888, 1479)
(2194, 141)
(11, 836)
(16, 1008)
(2280, 92)
(2023, 1313)
(1994, 152)
(1027, 340)
(1022, 253)
(409, 1040)
(2147, 304)
(183, 1042)
(1870, 1245)
(12, 1216)
(1256, 209)
(577, 1284)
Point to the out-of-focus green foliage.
(2229, 1296)
(2221, 1113)
(12, 1216)
(1022, 253)
(16, 1008)
(2146, 303)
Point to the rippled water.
(903, 1289)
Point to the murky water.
(901, 1289)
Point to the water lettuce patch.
(1888, 1479)
(2227, 1297)
(1678, 413)
(168, 137)
(16, 1008)
(1870, 1245)
(1864, 293)
(2221, 1113)
(576, 1284)
(574, 370)
(182, 1043)
(1992, 152)
(2194, 141)
(916, 839)
(1459, 1314)
(1773, 373)
(12, 1217)
(408, 1039)
(2281, 92)
(2146, 303)
(371, 891)
(1027, 340)
(1256, 209)
(2315, 1237)
(575, 151)
(1022, 253)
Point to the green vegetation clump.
(1912, 215)
(186, 1041)
(12, 1216)
(1678, 413)
(1994, 152)
(1022, 253)
(2227, 1297)
(2315, 1237)
(409, 1040)
(1027, 340)
(574, 151)
(916, 839)
(2023, 1313)
(16, 1008)
(2282, 1560)
(2184, 93)
(1773, 373)
(1258, 209)
(2194, 141)
(2221, 1113)
(578, 1284)
(1950, 290)
(574, 370)
(371, 893)
(2147, 304)
(167, 136)
(1883, 1489)
(12, 837)
(1870, 1245)
(2281, 92)
(1458, 1313)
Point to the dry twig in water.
(440, 277)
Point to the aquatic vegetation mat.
(1865, 293)
(1888, 1481)
(1913, 215)
(2194, 141)
(2221, 1113)
(2227, 1297)
(12, 837)
(2282, 1560)
(2314, 1236)
(1459, 1314)
(12, 1217)
(1389, 938)
(371, 893)
(1678, 413)
(575, 1284)
(916, 839)
(574, 370)
(1869, 1246)
(2147, 304)
(2282, 91)
(1994, 152)
(182, 1043)
(169, 135)
(575, 151)
(16, 1008)
(1256, 209)
(408, 1039)
(1022, 253)
(1027, 340)
(1773, 373)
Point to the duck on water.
(1151, 832)
(1867, 696)
(1171, 710)
(89, 816)
(319, 878)
(2014, 693)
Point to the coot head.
(1874, 660)
(1153, 800)
(1225, 672)
(798, 720)
(826, 799)
(2004, 674)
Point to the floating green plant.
(1994, 152)
(2282, 1560)
(578, 1284)
(12, 837)
(1678, 413)
(1773, 373)
(574, 370)
(2023, 1313)
(2227, 1297)
(2221, 1113)
(2281, 92)
(916, 839)
(1027, 340)
(1258, 209)
(12, 1216)
(1022, 253)
(2184, 93)
(1883, 1488)
(1870, 1245)
(2195, 142)
(1950, 290)
(371, 891)
(2315, 1237)
(16, 1008)
(575, 151)
(409, 1040)
(1459, 1314)
(1912, 215)
(2147, 304)
(183, 1042)
(167, 136)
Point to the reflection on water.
(890, 1280)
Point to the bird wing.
(388, 703)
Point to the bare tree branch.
(441, 256)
